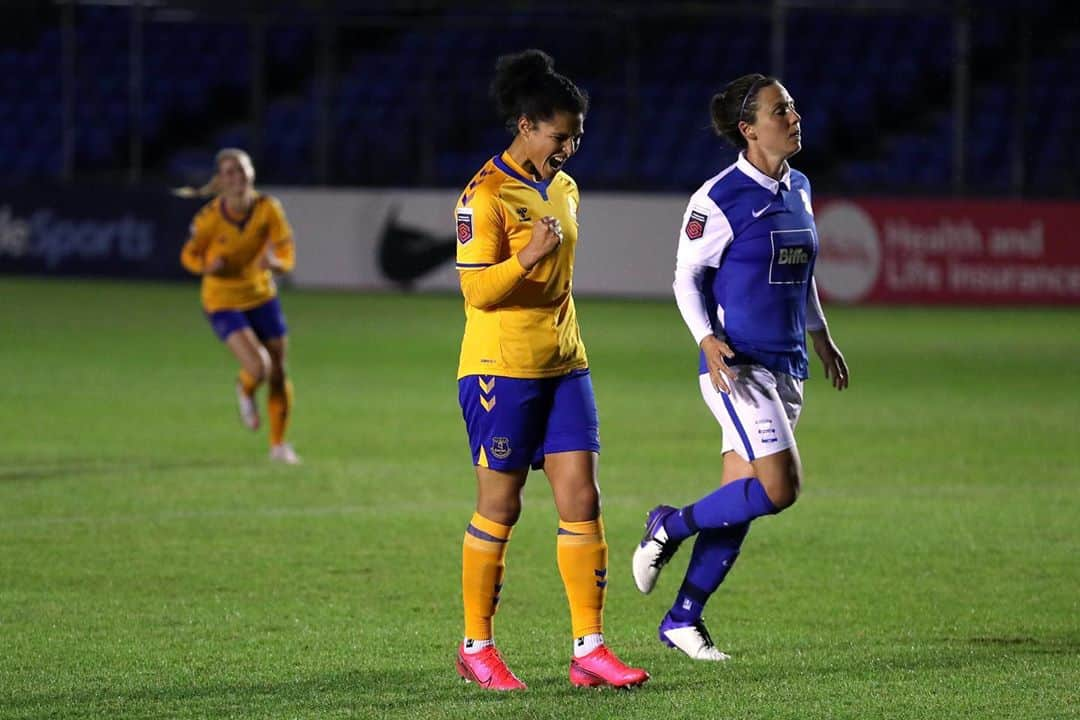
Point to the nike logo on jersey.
(759, 213)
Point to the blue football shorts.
(513, 423)
(267, 320)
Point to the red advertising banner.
(948, 251)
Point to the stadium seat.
(883, 132)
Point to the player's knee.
(578, 501)
(505, 514)
(266, 360)
(586, 504)
(259, 366)
(784, 496)
(276, 367)
(503, 509)
(784, 489)
(257, 369)
(277, 374)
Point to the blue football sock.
(714, 553)
(736, 503)
(676, 525)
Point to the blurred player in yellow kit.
(238, 240)
(523, 379)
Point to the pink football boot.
(601, 668)
(487, 669)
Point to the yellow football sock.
(247, 382)
(583, 555)
(483, 562)
(279, 404)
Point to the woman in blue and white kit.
(744, 283)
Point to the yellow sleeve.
(281, 237)
(487, 270)
(490, 286)
(193, 254)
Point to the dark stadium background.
(155, 564)
(944, 98)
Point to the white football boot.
(249, 411)
(284, 453)
(692, 638)
(654, 550)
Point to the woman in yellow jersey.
(238, 240)
(523, 378)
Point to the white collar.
(761, 178)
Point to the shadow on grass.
(948, 654)
(81, 467)
(378, 692)
(1023, 644)
(344, 690)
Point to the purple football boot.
(654, 551)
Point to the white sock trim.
(471, 646)
(587, 643)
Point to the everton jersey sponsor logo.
(695, 226)
(464, 225)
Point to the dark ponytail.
(736, 103)
(526, 84)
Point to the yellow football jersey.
(531, 332)
(241, 242)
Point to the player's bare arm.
(832, 359)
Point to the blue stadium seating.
(408, 101)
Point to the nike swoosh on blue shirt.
(759, 213)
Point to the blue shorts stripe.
(738, 427)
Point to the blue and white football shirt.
(756, 240)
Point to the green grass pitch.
(153, 564)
